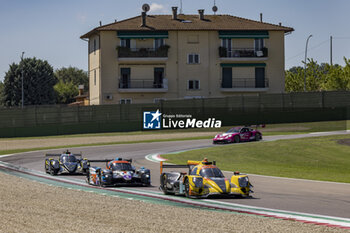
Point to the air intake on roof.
(143, 19)
(201, 14)
(145, 8)
(174, 8)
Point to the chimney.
(201, 14)
(143, 19)
(280, 24)
(174, 8)
(100, 23)
(261, 17)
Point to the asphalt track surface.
(314, 197)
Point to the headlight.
(243, 182)
(147, 176)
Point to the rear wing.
(58, 155)
(172, 166)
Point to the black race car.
(118, 172)
(66, 163)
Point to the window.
(95, 46)
(226, 43)
(158, 43)
(125, 43)
(193, 85)
(124, 81)
(125, 101)
(158, 78)
(259, 44)
(94, 77)
(193, 58)
(158, 100)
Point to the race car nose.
(71, 167)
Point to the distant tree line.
(41, 84)
(324, 77)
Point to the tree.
(38, 82)
(68, 81)
(1, 94)
(338, 78)
(322, 77)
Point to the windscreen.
(68, 159)
(122, 166)
(211, 172)
(234, 130)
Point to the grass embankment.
(321, 158)
(271, 129)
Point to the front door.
(226, 78)
(158, 77)
(259, 77)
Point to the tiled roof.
(189, 23)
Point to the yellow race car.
(203, 179)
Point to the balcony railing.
(247, 83)
(242, 52)
(142, 84)
(162, 51)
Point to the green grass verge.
(272, 129)
(320, 158)
(3, 152)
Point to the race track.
(323, 198)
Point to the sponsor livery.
(66, 163)
(117, 172)
(203, 179)
(238, 134)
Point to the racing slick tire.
(236, 139)
(164, 189)
(53, 172)
(258, 137)
(46, 168)
(100, 180)
(87, 178)
(187, 188)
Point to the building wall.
(94, 70)
(177, 69)
(275, 63)
(109, 56)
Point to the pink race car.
(238, 134)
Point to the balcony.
(141, 54)
(243, 54)
(143, 85)
(246, 85)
